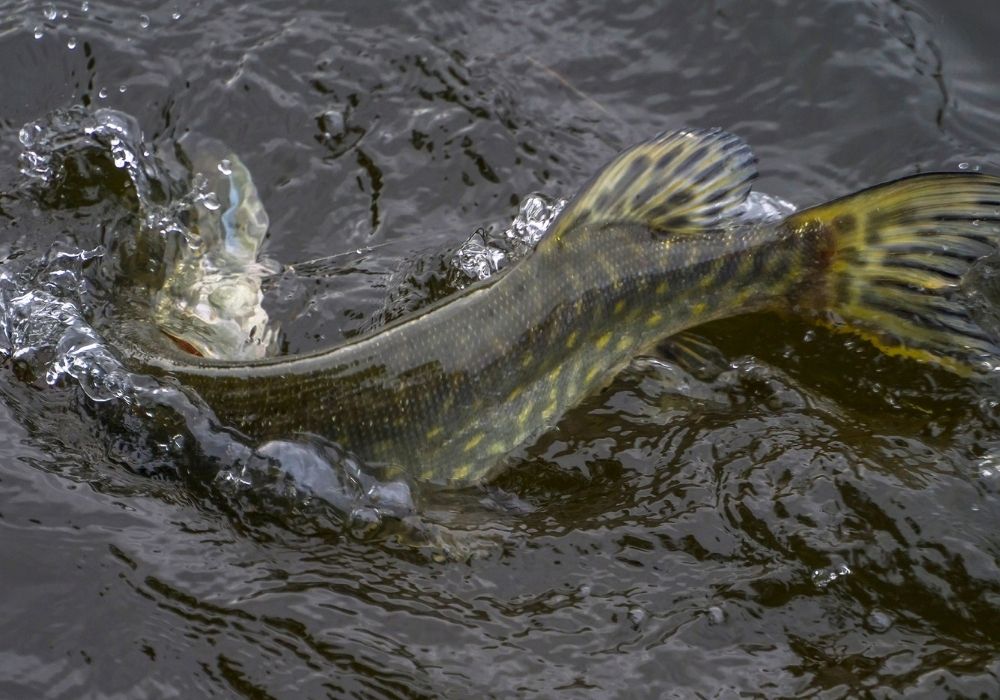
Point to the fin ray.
(680, 181)
(899, 258)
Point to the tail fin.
(899, 255)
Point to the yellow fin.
(898, 256)
(679, 181)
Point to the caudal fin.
(898, 258)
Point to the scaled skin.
(654, 244)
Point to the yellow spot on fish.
(698, 309)
(527, 360)
(662, 288)
(654, 319)
(515, 394)
(624, 343)
(603, 341)
(524, 416)
(461, 473)
(592, 374)
(571, 340)
(434, 433)
(620, 306)
(473, 441)
(497, 448)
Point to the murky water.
(800, 517)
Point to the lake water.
(805, 518)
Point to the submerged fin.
(693, 354)
(680, 181)
(898, 255)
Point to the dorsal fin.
(680, 181)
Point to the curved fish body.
(654, 244)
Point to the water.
(800, 516)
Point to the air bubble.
(878, 621)
(49, 12)
(71, 44)
(716, 615)
(637, 616)
(225, 167)
(144, 21)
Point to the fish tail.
(898, 258)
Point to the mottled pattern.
(642, 253)
(681, 181)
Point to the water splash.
(202, 236)
(200, 228)
(486, 253)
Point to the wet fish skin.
(655, 244)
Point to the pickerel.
(657, 242)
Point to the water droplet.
(102, 93)
(122, 89)
(225, 167)
(809, 336)
(878, 621)
(963, 166)
(71, 44)
(84, 6)
(49, 12)
(39, 33)
(211, 202)
(176, 444)
(144, 21)
(364, 521)
(824, 577)
(636, 616)
(716, 615)
(175, 16)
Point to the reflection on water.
(799, 515)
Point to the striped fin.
(899, 254)
(680, 181)
(693, 354)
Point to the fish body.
(656, 243)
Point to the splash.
(200, 228)
(485, 254)
(200, 234)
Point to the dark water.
(812, 519)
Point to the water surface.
(805, 517)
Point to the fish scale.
(654, 244)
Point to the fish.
(657, 242)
